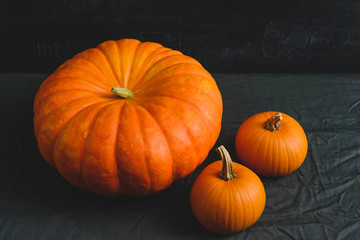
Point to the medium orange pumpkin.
(127, 117)
(271, 144)
(227, 197)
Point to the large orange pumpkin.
(271, 144)
(227, 197)
(127, 117)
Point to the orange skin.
(271, 153)
(136, 146)
(227, 206)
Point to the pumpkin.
(271, 144)
(227, 197)
(127, 117)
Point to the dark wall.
(225, 36)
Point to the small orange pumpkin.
(271, 144)
(227, 197)
(127, 117)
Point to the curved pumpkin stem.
(273, 123)
(227, 171)
(122, 92)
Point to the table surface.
(318, 201)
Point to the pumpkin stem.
(227, 171)
(123, 93)
(273, 123)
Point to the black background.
(225, 36)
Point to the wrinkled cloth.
(318, 201)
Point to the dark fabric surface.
(319, 201)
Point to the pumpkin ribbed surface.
(227, 205)
(139, 145)
(275, 152)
